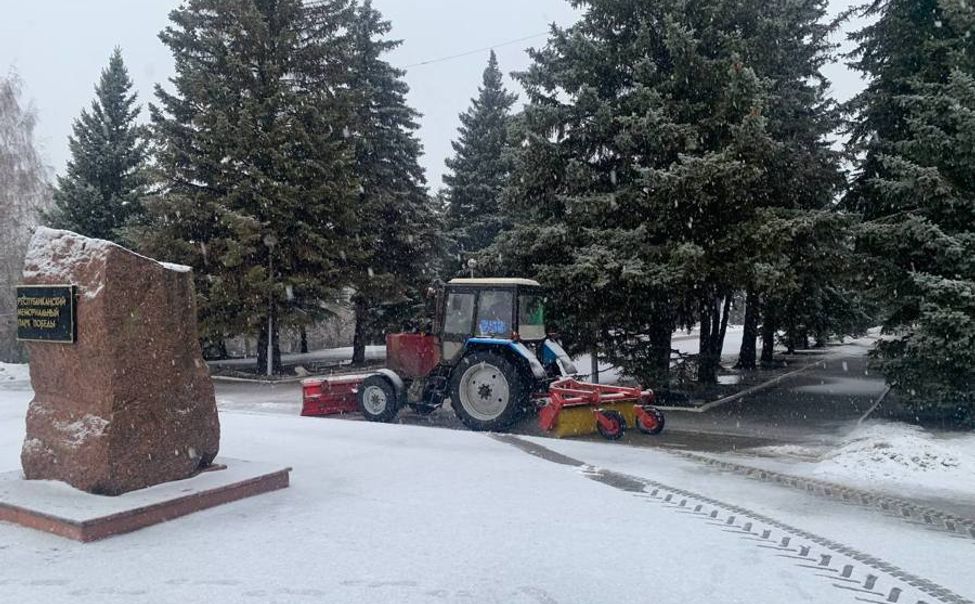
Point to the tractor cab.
(489, 312)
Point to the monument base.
(57, 508)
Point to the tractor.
(487, 351)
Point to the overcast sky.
(59, 47)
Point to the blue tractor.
(487, 351)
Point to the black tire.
(618, 429)
(377, 399)
(655, 429)
(496, 391)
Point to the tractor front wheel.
(487, 391)
(377, 399)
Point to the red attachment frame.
(570, 392)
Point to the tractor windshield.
(531, 317)
(494, 313)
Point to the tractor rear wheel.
(487, 391)
(377, 399)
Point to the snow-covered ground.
(898, 543)
(685, 342)
(395, 513)
(896, 458)
(14, 373)
(689, 342)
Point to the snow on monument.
(128, 402)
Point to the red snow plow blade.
(576, 408)
(331, 395)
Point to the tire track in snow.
(914, 513)
(847, 569)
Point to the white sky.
(59, 47)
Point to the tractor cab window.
(494, 314)
(531, 317)
(458, 315)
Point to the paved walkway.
(810, 407)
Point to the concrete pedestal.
(58, 508)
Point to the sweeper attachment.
(573, 408)
(489, 354)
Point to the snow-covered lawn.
(686, 343)
(14, 373)
(897, 458)
(396, 513)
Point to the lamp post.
(270, 241)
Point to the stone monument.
(123, 406)
(126, 402)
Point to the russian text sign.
(46, 313)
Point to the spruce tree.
(788, 44)
(256, 179)
(396, 221)
(105, 178)
(805, 263)
(915, 129)
(908, 44)
(655, 135)
(480, 166)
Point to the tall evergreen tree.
(256, 175)
(915, 130)
(648, 149)
(106, 178)
(805, 271)
(907, 45)
(396, 220)
(480, 166)
(788, 43)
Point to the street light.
(270, 241)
